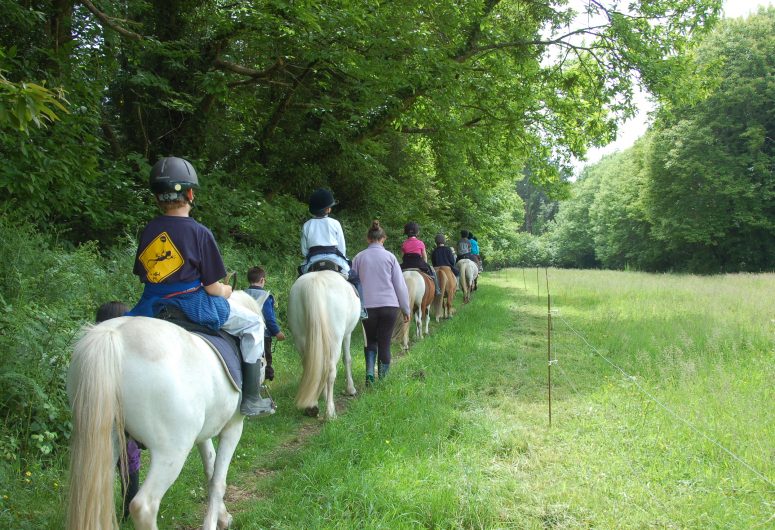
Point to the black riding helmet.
(440, 239)
(320, 199)
(411, 229)
(172, 175)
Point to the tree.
(712, 187)
(275, 98)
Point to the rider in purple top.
(384, 293)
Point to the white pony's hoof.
(224, 523)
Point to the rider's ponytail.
(376, 232)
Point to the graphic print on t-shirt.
(160, 258)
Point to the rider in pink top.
(412, 245)
(415, 256)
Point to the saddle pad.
(228, 355)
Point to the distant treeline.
(697, 192)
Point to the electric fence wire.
(635, 472)
(667, 409)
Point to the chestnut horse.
(442, 305)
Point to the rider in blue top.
(257, 281)
(180, 264)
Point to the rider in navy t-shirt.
(180, 264)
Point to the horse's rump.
(322, 309)
(161, 384)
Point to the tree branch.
(110, 22)
(229, 66)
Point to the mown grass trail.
(458, 436)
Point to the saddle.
(226, 346)
(325, 265)
(420, 271)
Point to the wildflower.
(28, 473)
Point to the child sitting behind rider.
(414, 254)
(322, 238)
(180, 265)
(257, 280)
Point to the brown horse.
(442, 305)
(427, 300)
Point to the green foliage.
(408, 111)
(696, 194)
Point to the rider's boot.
(384, 368)
(252, 402)
(371, 359)
(436, 282)
(355, 280)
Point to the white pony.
(468, 274)
(169, 391)
(323, 310)
(416, 286)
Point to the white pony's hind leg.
(207, 452)
(330, 405)
(217, 516)
(348, 365)
(165, 468)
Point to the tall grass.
(458, 436)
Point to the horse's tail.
(319, 343)
(438, 306)
(464, 279)
(95, 397)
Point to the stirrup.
(258, 406)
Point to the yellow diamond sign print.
(160, 258)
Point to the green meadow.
(662, 417)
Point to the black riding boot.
(384, 368)
(268, 371)
(132, 485)
(252, 402)
(371, 359)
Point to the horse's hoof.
(312, 412)
(224, 523)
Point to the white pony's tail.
(96, 402)
(319, 344)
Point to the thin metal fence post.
(549, 345)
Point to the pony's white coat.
(416, 286)
(169, 391)
(323, 310)
(468, 273)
